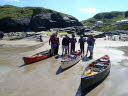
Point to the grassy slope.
(15, 12)
(108, 18)
(114, 27)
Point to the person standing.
(52, 41)
(57, 44)
(90, 42)
(68, 44)
(73, 42)
(82, 42)
(41, 40)
(1, 35)
(65, 45)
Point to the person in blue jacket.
(90, 42)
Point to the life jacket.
(54, 40)
(57, 40)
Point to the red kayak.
(37, 57)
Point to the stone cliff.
(13, 19)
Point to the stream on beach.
(43, 78)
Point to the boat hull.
(32, 59)
(89, 81)
(67, 64)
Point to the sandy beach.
(44, 79)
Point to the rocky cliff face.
(33, 18)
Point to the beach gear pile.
(70, 57)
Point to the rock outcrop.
(33, 18)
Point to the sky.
(81, 9)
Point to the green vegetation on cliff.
(108, 28)
(17, 19)
(107, 17)
(15, 12)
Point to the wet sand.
(43, 78)
(116, 83)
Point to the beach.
(44, 79)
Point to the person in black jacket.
(65, 45)
(73, 42)
(82, 42)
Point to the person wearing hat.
(82, 42)
(90, 42)
(73, 42)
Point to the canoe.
(37, 57)
(95, 72)
(68, 61)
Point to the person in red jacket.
(54, 41)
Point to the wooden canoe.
(95, 72)
(37, 57)
(67, 61)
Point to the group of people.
(68, 44)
